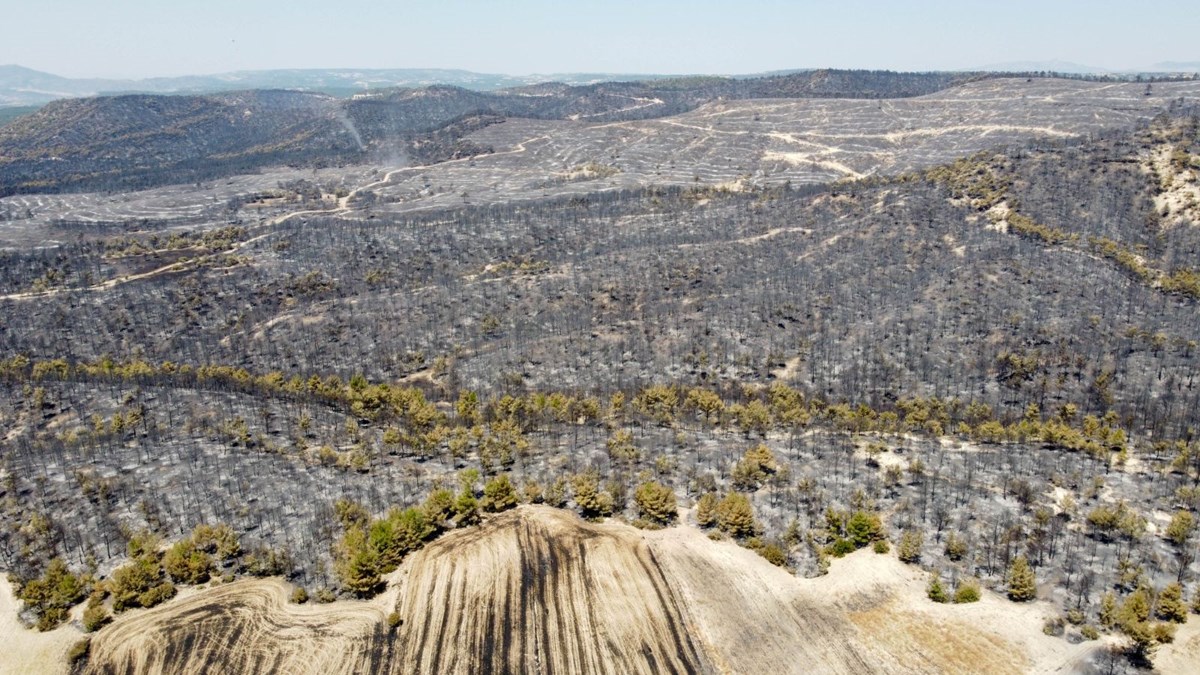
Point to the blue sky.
(142, 38)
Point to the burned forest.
(462, 370)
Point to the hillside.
(127, 142)
(958, 328)
(136, 141)
(735, 285)
(540, 591)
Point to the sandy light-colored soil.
(1182, 655)
(870, 614)
(1179, 198)
(537, 590)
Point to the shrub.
(267, 562)
(1108, 610)
(755, 467)
(357, 562)
(299, 596)
(439, 506)
(593, 503)
(466, 509)
(655, 502)
(79, 651)
(186, 563)
(52, 595)
(864, 528)
(840, 547)
(532, 493)
(706, 510)
(131, 584)
(219, 540)
(1164, 633)
(499, 494)
(735, 516)
(956, 547)
(967, 591)
(1180, 529)
(935, 591)
(909, 550)
(157, 595)
(95, 617)
(1170, 604)
(881, 546)
(773, 552)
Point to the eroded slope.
(532, 591)
(541, 591)
(537, 590)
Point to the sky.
(149, 38)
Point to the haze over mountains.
(24, 86)
(21, 86)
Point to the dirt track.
(539, 591)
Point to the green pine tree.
(1022, 582)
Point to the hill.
(130, 141)
(795, 254)
(960, 327)
(71, 145)
(21, 86)
(539, 590)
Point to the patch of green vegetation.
(54, 593)
(974, 178)
(1185, 281)
(967, 591)
(371, 547)
(1032, 229)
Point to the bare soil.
(538, 590)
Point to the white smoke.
(346, 122)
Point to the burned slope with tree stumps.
(958, 281)
(135, 141)
(980, 367)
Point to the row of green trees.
(417, 422)
(147, 578)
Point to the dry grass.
(538, 590)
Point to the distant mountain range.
(25, 87)
(20, 86)
(1058, 66)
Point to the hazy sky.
(142, 38)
